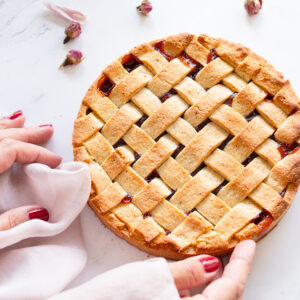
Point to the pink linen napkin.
(42, 257)
(144, 280)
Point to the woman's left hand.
(18, 144)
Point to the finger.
(16, 216)
(16, 120)
(195, 271)
(240, 262)
(33, 135)
(14, 151)
(184, 293)
(231, 285)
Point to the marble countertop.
(31, 50)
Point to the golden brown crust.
(81, 154)
(175, 44)
(287, 99)
(241, 200)
(289, 131)
(232, 53)
(207, 246)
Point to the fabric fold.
(147, 280)
(41, 258)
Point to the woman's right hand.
(201, 270)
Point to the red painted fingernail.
(183, 294)
(46, 125)
(39, 213)
(16, 115)
(210, 263)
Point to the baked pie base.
(192, 144)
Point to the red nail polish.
(39, 213)
(46, 125)
(16, 115)
(210, 263)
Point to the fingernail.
(210, 263)
(46, 125)
(184, 293)
(16, 115)
(39, 213)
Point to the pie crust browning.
(192, 144)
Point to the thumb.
(16, 216)
(195, 271)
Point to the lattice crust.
(192, 144)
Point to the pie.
(192, 144)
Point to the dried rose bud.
(73, 30)
(145, 7)
(73, 57)
(253, 6)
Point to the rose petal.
(66, 13)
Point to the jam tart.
(192, 144)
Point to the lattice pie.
(192, 144)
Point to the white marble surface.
(31, 50)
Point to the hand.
(17, 144)
(201, 270)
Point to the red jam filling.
(192, 210)
(130, 62)
(230, 99)
(269, 98)
(141, 120)
(147, 214)
(228, 139)
(169, 94)
(188, 61)
(212, 55)
(171, 195)
(218, 189)
(127, 199)
(193, 73)
(159, 46)
(136, 156)
(282, 193)
(249, 159)
(153, 175)
(263, 220)
(252, 115)
(177, 150)
(105, 85)
(120, 143)
(198, 169)
(202, 125)
(158, 138)
(286, 149)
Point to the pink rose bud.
(253, 6)
(73, 30)
(73, 57)
(145, 7)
